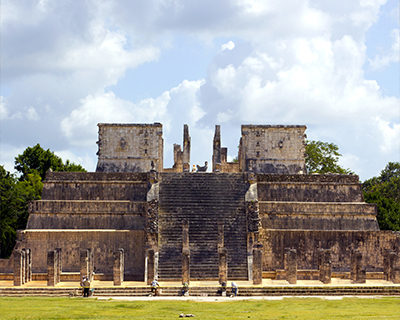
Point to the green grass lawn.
(288, 308)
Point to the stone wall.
(273, 149)
(130, 147)
(119, 215)
(371, 244)
(318, 216)
(82, 190)
(103, 243)
(309, 188)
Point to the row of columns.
(22, 266)
(357, 272)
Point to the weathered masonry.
(262, 216)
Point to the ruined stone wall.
(273, 149)
(130, 147)
(318, 216)
(103, 243)
(371, 244)
(119, 215)
(309, 188)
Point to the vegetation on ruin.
(288, 308)
(16, 192)
(323, 157)
(384, 190)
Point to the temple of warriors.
(260, 217)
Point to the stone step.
(216, 291)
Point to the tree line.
(321, 157)
(16, 190)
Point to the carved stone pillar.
(216, 159)
(257, 264)
(59, 264)
(23, 266)
(185, 252)
(186, 149)
(291, 265)
(52, 267)
(358, 274)
(151, 266)
(118, 267)
(325, 266)
(17, 268)
(222, 265)
(84, 264)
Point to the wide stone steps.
(203, 199)
(212, 291)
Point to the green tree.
(384, 190)
(15, 194)
(14, 198)
(36, 159)
(323, 157)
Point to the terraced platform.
(339, 287)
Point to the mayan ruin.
(260, 217)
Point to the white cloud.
(31, 114)
(228, 46)
(3, 109)
(291, 62)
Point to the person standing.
(86, 287)
(234, 289)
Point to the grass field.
(288, 308)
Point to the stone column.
(90, 264)
(28, 265)
(325, 266)
(186, 149)
(52, 268)
(185, 252)
(291, 265)
(216, 159)
(151, 270)
(59, 264)
(386, 265)
(396, 275)
(17, 268)
(222, 265)
(23, 266)
(358, 274)
(118, 267)
(257, 264)
(84, 264)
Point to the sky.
(330, 65)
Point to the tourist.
(86, 286)
(185, 289)
(154, 287)
(234, 289)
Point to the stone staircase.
(203, 199)
(209, 291)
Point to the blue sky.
(333, 66)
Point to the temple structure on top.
(262, 216)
